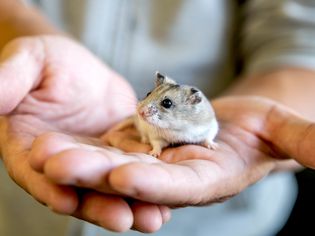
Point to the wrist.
(22, 20)
(292, 87)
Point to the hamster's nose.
(142, 113)
(147, 111)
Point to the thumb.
(292, 134)
(21, 63)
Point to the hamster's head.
(172, 106)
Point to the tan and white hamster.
(175, 114)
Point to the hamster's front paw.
(210, 144)
(157, 146)
(155, 153)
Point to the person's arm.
(279, 54)
(19, 19)
(293, 87)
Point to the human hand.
(51, 83)
(194, 175)
(56, 75)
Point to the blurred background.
(299, 220)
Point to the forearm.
(293, 87)
(276, 40)
(18, 19)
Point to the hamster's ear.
(195, 96)
(162, 79)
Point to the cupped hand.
(63, 84)
(51, 83)
(194, 175)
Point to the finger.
(291, 134)
(190, 182)
(61, 199)
(20, 69)
(47, 145)
(109, 212)
(127, 141)
(113, 213)
(149, 218)
(68, 160)
(165, 213)
(283, 130)
(52, 143)
(87, 168)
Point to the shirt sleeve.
(27, 2)
(278, 33)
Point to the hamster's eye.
(166, 103)
(148, 94)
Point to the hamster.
(174, 114)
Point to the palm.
(199, 175)
(69, 86)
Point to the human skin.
(39, 161)
(249, 149)
(257, 135)
(75, 94)
(51, 83)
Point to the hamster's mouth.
(147, 118)
(144, 117)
